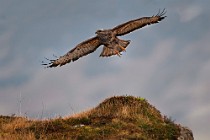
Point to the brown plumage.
(108, 38)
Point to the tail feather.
(114, 47)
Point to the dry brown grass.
(120, 117)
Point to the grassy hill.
(120, 117)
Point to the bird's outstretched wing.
(138, 23)
(80, 50)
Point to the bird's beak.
(97, 31)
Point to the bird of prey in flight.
(112, 45)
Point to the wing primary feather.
(49, 59)
(160, 14)
(90, 45)
(132, 25)
(80, 50)
(55, 56)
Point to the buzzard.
(108, 38)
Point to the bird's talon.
(119, 54)
(122, 48)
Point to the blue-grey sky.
(166, 63)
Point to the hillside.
(120, 117)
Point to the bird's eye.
(98, 31)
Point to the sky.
(167, 63)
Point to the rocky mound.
(120, 117)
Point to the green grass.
(120, 117)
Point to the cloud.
(189, 12)
(167, 63)
(4, 41)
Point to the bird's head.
(103, 32)
(98, 31)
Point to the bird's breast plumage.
(105, 37)
(108, 38)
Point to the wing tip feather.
(51, 64)
(161, 14)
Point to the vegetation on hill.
(120, 117)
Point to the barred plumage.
(108, 38)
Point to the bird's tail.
(123, 43)
(115, 48)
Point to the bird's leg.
(122, 48)
(122, 44)
(117, 53)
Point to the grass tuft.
(118, 117)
